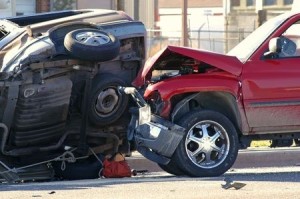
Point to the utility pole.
(136, 10)
(119, 4)
(184, 33)
(13, 8)
(225, 7)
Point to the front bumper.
(155, 138)
(158, 139)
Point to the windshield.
(247, 47)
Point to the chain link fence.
(213, 40)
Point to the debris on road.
(230, 183)
(136, 172)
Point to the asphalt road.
(250, 158)
(279, 181)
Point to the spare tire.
(91, 45)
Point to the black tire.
(107, 104)
(91, 45)
(219, 141)
(81, 169)
(172, 168)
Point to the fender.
(194, 84)
(220, 81)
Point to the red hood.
(224, 62)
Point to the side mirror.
(275, 45)
(274, 48)
(280, 45)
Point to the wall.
(296, 6)
(25, 7)
(244, 19)
(17, 7)
(5, 8)
(203, 23)
(107, 4)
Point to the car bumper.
(158, 139)
(155, 138)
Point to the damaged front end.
(155, 138)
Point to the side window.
(292, 35)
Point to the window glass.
(250, 2)
(247, 47)
(269, 2)
(288, 2)
(293, 40)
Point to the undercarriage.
(61, 110)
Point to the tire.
(172, 168)
(219, 141)
(81, 169)
(91, 45)
(107, 104)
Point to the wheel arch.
(219, 101)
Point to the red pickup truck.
(200, 105)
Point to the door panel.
(271, 92)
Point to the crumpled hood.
(224, 62)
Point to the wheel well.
(221, 102)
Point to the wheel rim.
(92, 38)
(207, 144)
(107, 102)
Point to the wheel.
(107, 103)
(172, 168)
(91, 44)
(210, 145)
(88, 168)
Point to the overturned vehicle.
(59, 101)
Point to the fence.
(213, 40)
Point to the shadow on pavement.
(271, 175)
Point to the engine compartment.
(178, 66)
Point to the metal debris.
(231, 184)
(136, 172)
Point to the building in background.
(17, 7)
(216, 25)
(205, 22)
(143, 10)
(296, 5)
(27, 7)
(246, 15)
